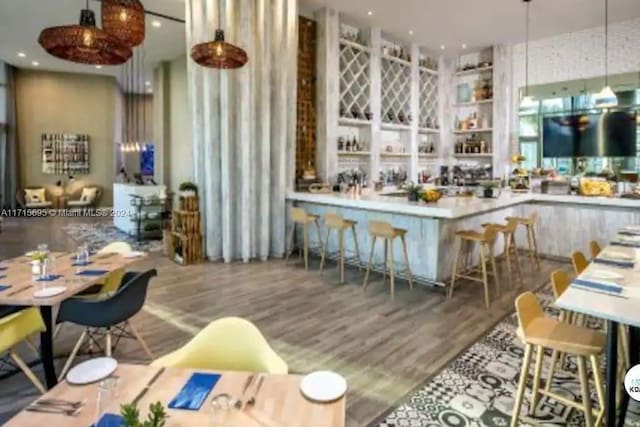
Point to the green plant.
(413, 188)
(188, 186)
(489, 184)
(157, 415)
(39, 256)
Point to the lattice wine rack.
(355, 81)
(428, 99)
(396, 91)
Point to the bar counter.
(566, 223)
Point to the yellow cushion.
(109, 286)
(16, 327)
(35, 195)
(229, 344)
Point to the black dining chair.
(108, 317)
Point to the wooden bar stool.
(384, 230)
(486, 241)
(301, 217)
(595, 249)
(539, 331)
(530, 225)
(510, 247)
(336, 222)
(579, 262)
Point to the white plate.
(633, 227)
(615, 255)
(49, 292)
(630, 238)
(92, 370)
(133, 254)
(323, 386)
(604, 274)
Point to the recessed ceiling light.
(35, 63)
(442, 47)
(464, 45)
(156, 24)
(370, 13)
(148, 83)
(410, 32)
(99, 67)
(150, 90)
(22, 54)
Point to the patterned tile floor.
(99, 234)
(477, 389)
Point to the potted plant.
(488, 188)
(413, 191)
(131, 416)
(188, 189)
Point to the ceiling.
(22, 20)
(477, 23)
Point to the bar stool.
(486, 241)
(579, 262)
(595, 249)
(384, 230)
(537, 330)
(510, 247)
(335, 222)
(530, 225)
(301, 217)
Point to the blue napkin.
(4, 287)
(3, 267)
(194, 392)
(3, 276)
(92, 273)
(626, 244)
(597, 286)
(110, 420)
(49, 278)
(81, 264)
(618, 264)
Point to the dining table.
(609, 289)
(19, 287)
(277, 402)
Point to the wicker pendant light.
(125, 20)
(219, 54)
(84, 43)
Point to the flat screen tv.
(608, 134)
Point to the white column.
(502, 108)
(415, 112)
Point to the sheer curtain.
(8, 137)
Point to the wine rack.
(396, 91)
(428, 99)
(355, 82)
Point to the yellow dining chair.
(579, 262)
(116, 248)
(594, 248)
(17, 328)
(228, 344)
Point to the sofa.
(85, 197)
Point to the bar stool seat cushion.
(521, 220)
(471, 235)
(563, 337)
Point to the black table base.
(612, 367)
(46, 348)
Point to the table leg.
(634, 358)
(46, 348)
(612, 362)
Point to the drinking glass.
(221, 408)
(43, 248)
(108, 393)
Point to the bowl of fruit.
(431, 195)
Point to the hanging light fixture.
(527, 102)
(125, 20)
(84, 43)
(606, 98)
(219, 54)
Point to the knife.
(149, 384)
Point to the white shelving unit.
(355, 82)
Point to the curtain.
(8, 137)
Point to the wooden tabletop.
(22, 285)
(279, 402)
(622, 309)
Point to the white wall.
(181, 144)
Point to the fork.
(252, 399)
(59, 402)
(240, 402)
(54, 410)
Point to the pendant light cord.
(526, 60)
(606, 43)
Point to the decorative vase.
(488, 193)
(413, 196)
(36, 268)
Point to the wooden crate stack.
(186, 232)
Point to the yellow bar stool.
(530, 225)
(595, 249)
(335, 222)
(538, 332)
(486, 241)
(510, 247)
(384, 230)
(300, 217)
(579, 262)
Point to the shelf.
(471, 155)
(354, 153)
(428, 70)
(462, 132)
(398, 60)
(428, 130)
(346, 121)
(475, 71)
(387, 154)
(394, 126)
(428, 155)
(471, 104)
(355, 45)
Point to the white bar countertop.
(451, 207)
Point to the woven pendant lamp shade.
(219, 54)
(124, 19)
(84, 43)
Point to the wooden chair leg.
(492, 259)
(406, 262)
(584, 390)
(355, 243)
(73, 355)
(108, 347)
(56, 332)
(292, 234)
(392, 273)
(324, 250)
(522, 383)
(507, 258)
(456, 262)
(599, 383)
(623, 337)
(319, 235)
(534, 239)
(341, 233)
(535, 395)
(514, 246)
(27, 371)
(485, 279)
(552, 368)
(384, 267)
(140, 340)
(366, 275)
(532, 256)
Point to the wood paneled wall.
(306, 121)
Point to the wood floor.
(384, 348)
